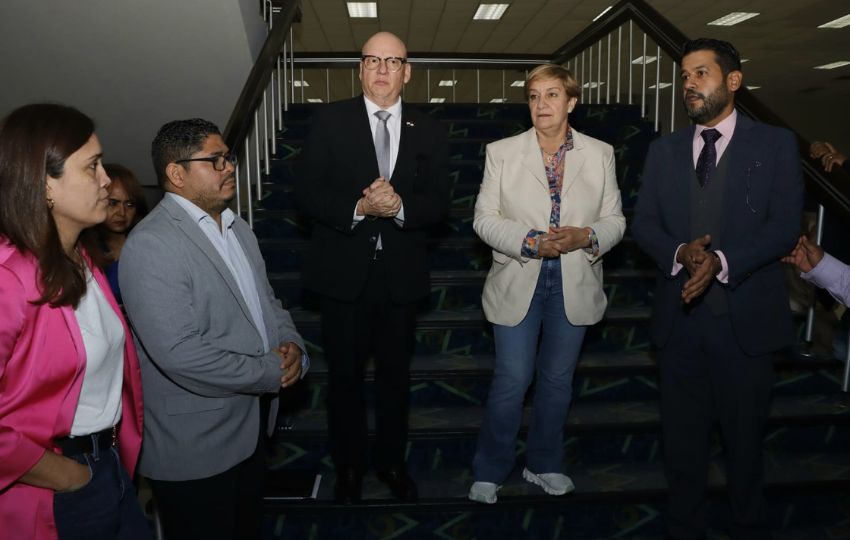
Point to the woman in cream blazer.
(549, 206)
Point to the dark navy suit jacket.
(339, 162)
(762, 206)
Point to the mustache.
(689, 93)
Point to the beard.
(712, 105)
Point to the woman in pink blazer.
(70, 385)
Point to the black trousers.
(373, 325)
(707, 378)
(227, 506)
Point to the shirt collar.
(726, 127)
(394, 109)
(198, 215)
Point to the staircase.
(612, 433)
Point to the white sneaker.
(484, 492)
(552, 483)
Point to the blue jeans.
(517, 360)
(104, 509)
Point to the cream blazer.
(514, 198)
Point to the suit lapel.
(737, 153)
(573, 162)
(531, 158)
(405, 144)
(185, 223)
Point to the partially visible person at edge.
(821, 269)
(550, 208)
(828, 156)
(126, 207)
(70, 386)
(720, 203)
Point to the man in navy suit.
(374, 178)
(720, 204)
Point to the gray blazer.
(203, 367)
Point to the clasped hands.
(563, 240)
(290, 355)
(379, 200)
(702, 266)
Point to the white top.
(227, 245)
(99, 406)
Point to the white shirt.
(99, 406)
(227, 245)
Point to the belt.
(86, 444)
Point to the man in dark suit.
(720, 204)
(374, 177)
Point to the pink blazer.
(42, 360)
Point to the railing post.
(478, 86)
(249, 206)
(673, 100)
(810, 315)
(266, 134)
(273, 116)
(619, 55)
(643, 80)
(257, 153)
(657, 83)
(608, 75)
(630, 62)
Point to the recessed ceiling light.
(640, 60)
(438, 99)
(744, 60)
(314, 100)
(661, 86)
(733, 18)
(448, 83)
(840, 22)
(498, 100)
(299, 84)
(489, 12)
(753, 87)
(518, 83)
(592, 84)
(604, 11)
(362, 10)
(840, 63)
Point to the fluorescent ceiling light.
(733, 18)
(744, 60)
(438, 99)
(490, 12)
(519, 84)
(640, 60)
(498, 100)
(448, 83)
(362, 10)
(604, 11)
(592, 84)
(753, 87)
(314, 100)
(661, 86)
(840, 63)
(299, 84)
(840, 22)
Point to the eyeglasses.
(114, 203)
(219, 163)
(393, 63)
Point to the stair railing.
(599, 49)
(258, 114)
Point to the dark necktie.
(382, 144)
(707, 161)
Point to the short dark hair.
(35, 142)
(725, 54)
(179, 140)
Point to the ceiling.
(783, 44)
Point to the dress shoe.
(400, 483)
(348, 488)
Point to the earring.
(50, 203)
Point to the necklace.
(549, 157)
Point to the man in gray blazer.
(212, 339)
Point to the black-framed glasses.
(219, 163)
(393, 63)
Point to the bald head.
(380, 85)
(385, 39)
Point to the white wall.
(131, 65)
